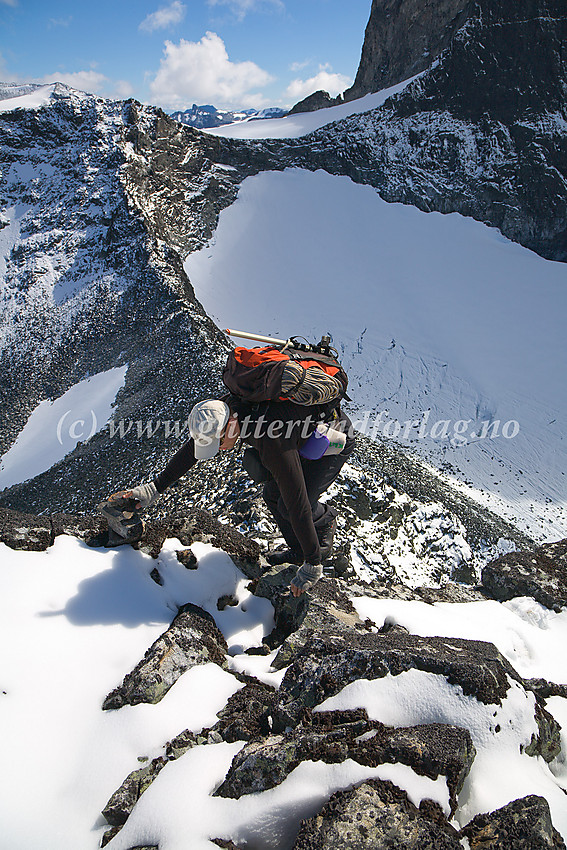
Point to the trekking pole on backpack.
(324, 346)
(258, 337)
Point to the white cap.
(206, 423)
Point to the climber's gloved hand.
(145, 495)
(306, 576)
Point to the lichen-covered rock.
(376, 815)
(200, 525)
(119, 806)
(547, 743)
(125, 798)
(430, 750)
(247, 715)
(523, 824)
(326, 664)
(541, 574)
(193, 638)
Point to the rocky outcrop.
(333, 737)
(523, 824)
(541, 574)
(326, 664)
(193, 638)
(402, 38)
(377, 814)
(318, 100)
(325, 646)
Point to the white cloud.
(59, 22)
(240, 8)
(299, 66)
(122, 90)
(9, 2)
(201, 72)
(165, 17)
(333, 83)
(89, 81)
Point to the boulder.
(247, 716)
(541, 574)
(430, 750)
(193, 638)
(326, 664)
(377, 814)
(523, 824)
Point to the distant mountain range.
(204, 117)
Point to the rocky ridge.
(88, 286)
(285, 727)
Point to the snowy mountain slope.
(86, 285)
(125, 301)
(301, 124)
(438, 319)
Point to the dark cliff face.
(402, 38)
(483, 132)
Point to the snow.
(293, 126)
(269, 820)
(55, 427)
(78, 619)
(441, 323)
(530, 636)
(33, 100)
(216, 577)
(501, 771)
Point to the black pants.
(319, 475)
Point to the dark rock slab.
(24, 531)
(376, 815)
(523, 824)
(193, 638)
(247, 715)
(325, 608)
(430, 750)
(541, 574)
(402, 38)
(545, 689)
(326, 664)
(200, 525)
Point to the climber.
(292, 482)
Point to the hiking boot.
(284, 556)
(326, 537)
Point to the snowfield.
(452, 336)
(292, 126)
(55, 427)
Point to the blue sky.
(231, 53)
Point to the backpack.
(255, 374)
